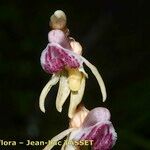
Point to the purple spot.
(56, 59)
(101, 136)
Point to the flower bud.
(77, 48)
(58, 20)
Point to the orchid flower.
(62, 58)
(94, 125)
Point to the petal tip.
(70, 115)
(42, 109)
(59, 109)
(104, 98)
(41, 104)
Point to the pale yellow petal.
(98, 77)
(76, 98)
(54, 79)
(59, 137)
(64, 144)
(63, 92)
(68, 145)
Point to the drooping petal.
(76, 98)
(55, 58)
(68, 144)
(54, 79)
(98, 77)
(63, 91)
(59, 137)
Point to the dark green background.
(114, 36)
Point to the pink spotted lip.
(98, 128)
(101, 135)
(58, 53)
(55, 58)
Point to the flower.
(62, 58)
(94, 125)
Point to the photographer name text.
(41, 143)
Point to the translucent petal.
(63, 91)
(54, 79)
(98, 77)
(70, 146)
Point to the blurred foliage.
(115, 38)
